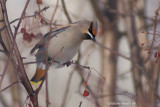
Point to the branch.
(141, 68)
(80, 104)
(154, 32)
(34, 15)
(3, 45)
(65, 11)
(21, 69)
(9, 86)
(46, 54)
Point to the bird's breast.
(63, 49)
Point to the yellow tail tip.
(34, 83)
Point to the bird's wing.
(52, 34)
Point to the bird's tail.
(38, 76)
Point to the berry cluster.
(27, 36)
(86, 93)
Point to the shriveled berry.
(39, 2)
(25, 36)
(29, 39)
(23, 30)
(42, 20)
(85, 93)
(32, 35)
(157, 54)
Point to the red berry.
(42, 20)
(23, 30)
(142, 44)
(25, 36)
(157, 54)
(31, 35)
(85, 93)
(39, 2)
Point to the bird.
(62, 46)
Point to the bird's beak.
(94, 39)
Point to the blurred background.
(128, 57)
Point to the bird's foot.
(68, 63)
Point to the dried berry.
(32, 35)
(39, 2)
(25, 36)
(23, 30)
(157, 55)
(42, 21)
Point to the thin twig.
(66, 12)
(53, 61)
(80, 104)
(67, 89)
(3, 45)
(154, 32)
(39, 88)
(89, 88)
(34, 15)
(9, 86)
(8, 60)
(114, 52)
(46, 54)
(134, 62)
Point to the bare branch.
(34, 15)
(9, 86)
(66, 12)
(80, 104)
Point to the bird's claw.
(68, 63)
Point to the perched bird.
(63, 44)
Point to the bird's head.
(91, 31)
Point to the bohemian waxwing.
(63, 44)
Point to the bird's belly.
(62, 48)
(61, 56)
(62, 53)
